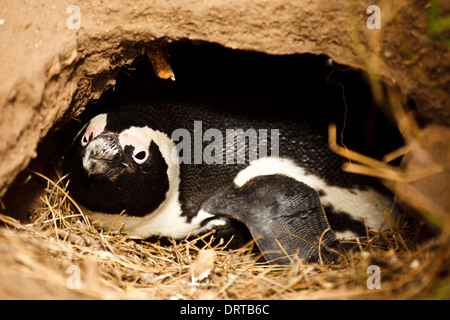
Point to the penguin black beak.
(99, 155)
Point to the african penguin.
(163, 168)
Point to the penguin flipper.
(284, 216)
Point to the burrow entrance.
(212, 74)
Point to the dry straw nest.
(43, 259)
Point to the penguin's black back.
(302, 138)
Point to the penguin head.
(108, 154)
(117, 162)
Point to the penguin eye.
(85, 139)
(140, 156)
(135, 139)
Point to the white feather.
(362, 205)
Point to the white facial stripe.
(166, 145)
(360, 204)
(143, 136)
(98, 122)
(136, 136)
(95, 126)
(140, 139)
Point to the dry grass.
(38, 259)
(42, 259)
